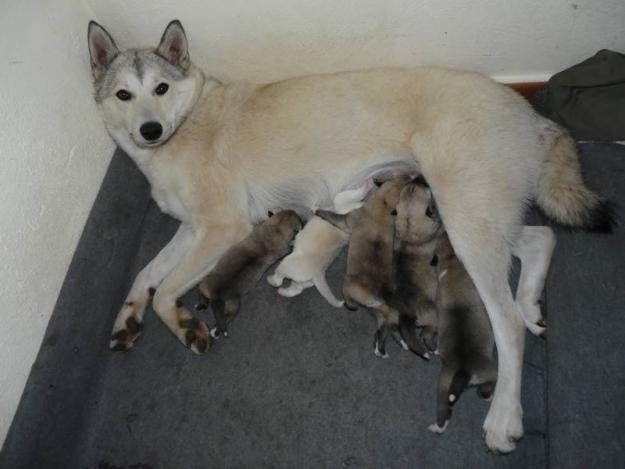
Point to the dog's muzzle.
(151, 131)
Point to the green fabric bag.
(588, 98)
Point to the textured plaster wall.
(514, 40)
(53, 154)
(53, 149)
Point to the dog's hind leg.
(209, 243)
(487, 262)
(225, 312)
(534, 248)
(129, 322)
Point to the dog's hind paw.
(503, 427)
(434, 428)
(123, 339)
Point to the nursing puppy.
(417, 228)
(465, 338)
(370, 253)
(316, 246)
(240, 268)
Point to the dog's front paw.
(503, 426)
(126, 330)
(194, 334)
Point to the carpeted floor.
(296, 385)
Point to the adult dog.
(218, 156)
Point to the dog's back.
(465, 338)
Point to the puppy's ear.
(270, 214)
(420, 180)
(174, 46)
(102, 49)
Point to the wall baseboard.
(527, 90)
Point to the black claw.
(191, 323)
(119, 347)
(190, 337)
(133, 326)
(120, 336)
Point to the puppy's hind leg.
(294, 289)
(322, 286)
(443, 406)
(225, 312)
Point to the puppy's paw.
(274, 281)
(434, 428)
(123, 338)
(194, 334)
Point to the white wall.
(53, 149)
(53, 154)
(516, 40)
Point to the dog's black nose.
(151, 131)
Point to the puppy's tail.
(409, 332)
(561, 192)
(322, 286)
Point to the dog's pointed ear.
(173, 46)
(102, 49)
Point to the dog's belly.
(316, 191)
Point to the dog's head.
(144, 94)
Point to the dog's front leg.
(129, 322)
(209, 243)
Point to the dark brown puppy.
(417, 228)
(242, 266)
(465, 338)
(370, 252)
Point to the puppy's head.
(383, 201)
(283, 225)
(417, 215)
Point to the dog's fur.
(465, 339)
(230, 152)
(417, 227)
(316, 247)
(242, 266)
(370, 254)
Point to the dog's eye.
(123, 95)
(161, 89)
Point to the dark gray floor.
(297, 385)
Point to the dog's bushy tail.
(562, 195)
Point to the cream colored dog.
(218, 156)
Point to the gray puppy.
(465, 338)
(242, 266)
(417, 228)
(370, 252)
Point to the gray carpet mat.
(586, 346)
(295, 385)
